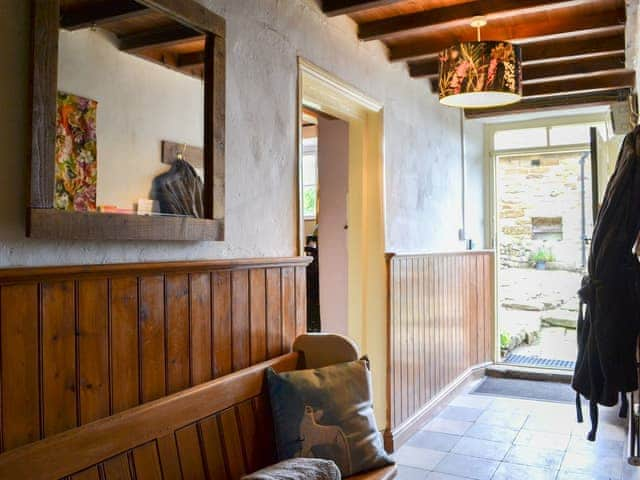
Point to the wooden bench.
(218, 430)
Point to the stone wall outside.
(542, 185)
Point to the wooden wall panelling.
(301, 300)
(58, 362)
(152, 338)
(240, 323)
(124, 344)
(178, 334)
(81, 343)
(201, 329)
(222, 334)
(258, 314)
(274, 313)
(93, 349)
(20, 404)
(288, 296)
(441, 326)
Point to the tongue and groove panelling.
(82, 343)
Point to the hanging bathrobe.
(608, 329)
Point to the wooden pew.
(218, 430)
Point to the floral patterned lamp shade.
(480, 74)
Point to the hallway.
(498, 438)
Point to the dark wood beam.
(554, 102)
(332, 8)
(192, 59)
(520, 31)
(545, 50)
(594, 81)
(574, 46)
(575, 66)
(574, 83)
(455, 15)
(160, 37)
(100, 13)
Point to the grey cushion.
(327, 413)
(298, 469)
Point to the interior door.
(333, 180)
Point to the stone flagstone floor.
(498, 438)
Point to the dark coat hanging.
(179, 191)
(608, 330)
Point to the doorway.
(325, 177)
(546, 195)
(349, 211)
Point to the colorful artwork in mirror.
(76, 171)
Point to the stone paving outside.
(498, 438)
(538, 310)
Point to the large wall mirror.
(128, 120)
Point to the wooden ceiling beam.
(160, 37)
(574, 66)
(98, 14)
(586, 82)
(520, 31)
(619, 78)
(554, 102)
(574, 46)
(332, 8)
(461, 14)
(192, 59)
(546, 50)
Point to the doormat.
(528, 389)
(512, 359)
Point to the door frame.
(323, 92)
(491, 154)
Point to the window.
(521, 138)
(573, 134)
(546, 228)
(310, 177)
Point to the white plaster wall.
(422, 146)
(476, 171)
(140, 104)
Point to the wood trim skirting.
(440, 331)
(82, 343)
(395, 438)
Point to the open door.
(333, 186)
(599, 163)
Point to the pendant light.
(480, 74)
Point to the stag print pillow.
(327, 413)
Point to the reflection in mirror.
(130, 111)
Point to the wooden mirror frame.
(45, 221)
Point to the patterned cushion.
(327, 413)
(298, 469)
